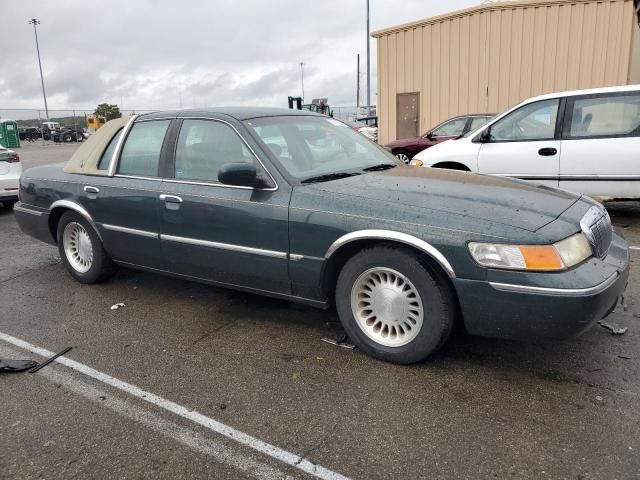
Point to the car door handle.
(90, 189)
(170, 198)
(547, 152)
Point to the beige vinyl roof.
(85, 159)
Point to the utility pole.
(34, 22)
(368, 67)
(302, 78)
(358, 86)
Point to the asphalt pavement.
(193, 381)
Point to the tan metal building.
(490, 57)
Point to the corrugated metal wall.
(488, 58)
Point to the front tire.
(393, 305)
(81, 249)
(67, 138)
(403, 156)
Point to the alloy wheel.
(387, 306)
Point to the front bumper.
(528, 311)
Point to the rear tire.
(81, 249)
(393, 305)
(67, 138)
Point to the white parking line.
(631, 247)
(202, 420)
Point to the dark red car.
(406, 148)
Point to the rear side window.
(477, 122)
(605, 116)
(141, 151)
(103, 164)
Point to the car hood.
(402, 142)
(495, 199)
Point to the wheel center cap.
(388, 305)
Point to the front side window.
(309, 146)
(534, 121)
(452, 128)
(141, 151)
(103, 164)
(204, 147)
(606, 115)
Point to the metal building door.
(408, 113)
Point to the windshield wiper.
(329, 176)
(380, 167)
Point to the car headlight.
(559, 256)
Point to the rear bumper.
(495, 309)
(34, 221)
(9, 184)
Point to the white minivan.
(586, 141)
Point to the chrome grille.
(596, 225)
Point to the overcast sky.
(164, 54)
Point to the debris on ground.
(613, 328)
(117, 306)
(15, 366)
(49, 360)
(624, 357)
(339, 340)
(286, 356)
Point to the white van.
(51, 125)
(586, 141)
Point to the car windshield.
(313, 147)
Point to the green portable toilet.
(9, 136)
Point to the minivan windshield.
(313, 148)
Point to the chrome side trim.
(136, 177)
(224, 246)
(20, 208)
(296, 257)
(116, 152)
(556, 292)
(132, 231)
(77, 208)
(410, 240)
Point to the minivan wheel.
(393, 305)
(403, 156)
(81, 250)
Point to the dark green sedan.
(299, 206)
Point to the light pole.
(35, 22)
(302, 79)
(368, 66)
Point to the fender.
(76, 208)
(407, 239)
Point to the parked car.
(370, 132)
(298, 206)
(29, 132)
(406, 148)
(586, 141)
(68, 134)
(10, 170)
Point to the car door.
(228, 234)
(523, 144)
(125, 206)
(601, 145)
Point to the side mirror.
(430, 135)
(238, 174)
(485, 136)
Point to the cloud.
(148, 54)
